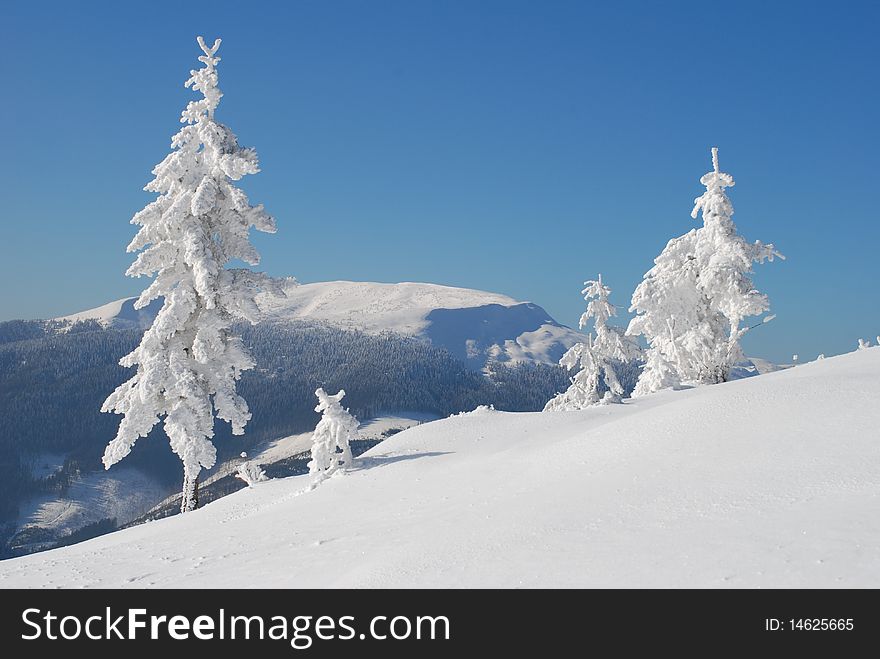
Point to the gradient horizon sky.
(515, 147)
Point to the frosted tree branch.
(597, 358)
(702, 280)
(188, 361)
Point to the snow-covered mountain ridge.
(473, 325)
(763, 482)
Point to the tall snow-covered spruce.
(691, 304)
(598, 358)
(188, 361)
(331, 450)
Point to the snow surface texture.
(471, 324)
(769, 481)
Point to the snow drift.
(764, 482)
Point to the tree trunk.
(190, 497)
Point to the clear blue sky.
(517, 147)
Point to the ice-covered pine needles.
(331, 449)
(598, 358)
(188, 361)
(691, 304)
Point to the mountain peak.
(471, 324)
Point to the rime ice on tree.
(597, 357)
(188, 361)
(330, 441)
(691, 304)
(251, 473)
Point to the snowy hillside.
(119, 313)
(279, 455)
(471, 324)
(122, 495)
(54, 380)
(768, 481)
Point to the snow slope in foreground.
(770, 481)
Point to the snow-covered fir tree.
(598, 357)
(188, 361)
(691, 304)
(250, 472)
(330, 442)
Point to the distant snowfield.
(765, 482)
(92, 498)
(119, 313)
(471, 324)
(375, 307)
